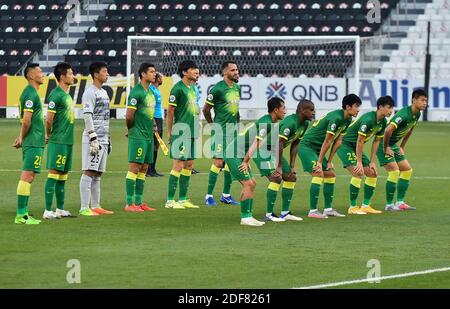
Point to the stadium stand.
(106, 41)
(408, 60)
(24, 28)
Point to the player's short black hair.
(226, 63)
(351, 99)
(273, 103)
(61, 69)
(29, 67)
(386, 100)
(419, 93)
(303, 104)
(144, 68)
(186, 65)
(95, 67)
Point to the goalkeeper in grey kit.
(96, 144)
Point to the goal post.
(312, 61)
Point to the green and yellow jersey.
(31, 102)
(367, 126)
(184, 99)
(225, 101)
(143, 101)
(61, 104)
(291, 129)
(403, 121)
(334, 123)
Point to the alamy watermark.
(374, 14)
(74, 273)
(374, 274)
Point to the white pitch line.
(416, 273)
(256, 174)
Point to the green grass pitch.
(207, 248)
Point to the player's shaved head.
(304, 104)
(30, 66)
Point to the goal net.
(314, 62)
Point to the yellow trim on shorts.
(63, 177)
(140, 176)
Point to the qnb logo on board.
(276, 90)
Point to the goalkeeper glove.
(94, 146)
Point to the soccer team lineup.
(274, 143)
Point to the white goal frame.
(356, 38)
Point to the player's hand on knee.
(373, 168)
(276, 173)
(358, 169)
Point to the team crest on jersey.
(210, 97)
(29, 103)
(286, 131)
(333, 127)
(398, 120)
(51, 104)
(363, 128)
(172, 98)
(262, 132)
(133, 101)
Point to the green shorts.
(219, 145)
(59, 157)
(267, 167)
(348, 156)
(233, 165)
(140, 151)
(32, 158)
(182, 149)
(309, 157)
(384, 159)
